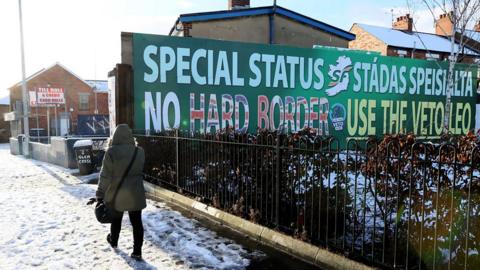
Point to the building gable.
(261, 11)
(46, 70)
(366, 41)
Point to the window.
(401, 53)
(432, 56)
(83, 102)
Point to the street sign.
(44, 96)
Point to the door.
(63, 126)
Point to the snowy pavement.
(46, 224)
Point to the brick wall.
(290, 32)
(407, 53)
(444, 25)
(234, 4)
(256, 29)
(233, 29)
(59, 77)
(365, 41)
(404, 23)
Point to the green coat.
(131, 195)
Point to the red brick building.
(4, 125)
(402, 41)
(80, 98)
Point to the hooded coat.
(131, 195)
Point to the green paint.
(339, 93)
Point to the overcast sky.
(84, 35)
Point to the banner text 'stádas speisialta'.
(207, 85)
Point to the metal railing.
(392, 203)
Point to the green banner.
(208, 85)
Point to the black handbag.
(106, 213)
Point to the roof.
(38, 73)
(473, 35)
(99, 86)
(268, 10)
(412, 40)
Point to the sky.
(84, 35)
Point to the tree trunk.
(448, 102)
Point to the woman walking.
(122, 150)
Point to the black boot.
(109, 240)
(136, 256)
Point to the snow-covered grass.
(46, 224)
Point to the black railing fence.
(392, 203)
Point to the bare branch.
(461, 14)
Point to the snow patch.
(46, 224)
(82, 143)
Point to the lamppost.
(48, 115)
(26, 129)
(36, 112)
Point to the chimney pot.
(238, 4)
(476, 28)
(404, 23)
(444, 25)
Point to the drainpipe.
(96, 103)
(413, 50)
(272, 24)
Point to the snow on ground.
(46, 224)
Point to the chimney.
(476, 28)
(444, 25)
(238, 4)
(404, 23)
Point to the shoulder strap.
(124, 175)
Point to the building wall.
(421, 54)
(366, 41)
(256, 29)
(418, 54)
(246, 29)
(126, 39)
(73, 86)
(290, 32)
(4, 126)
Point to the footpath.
(46, 224)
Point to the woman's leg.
(136, 220)
(115, 228)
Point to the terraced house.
(402, 40)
